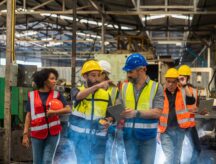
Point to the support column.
(209, 57)
(73, 56)
(103, 36)
(9, 58)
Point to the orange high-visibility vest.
(39, 124)
(182, 114)
(193, 106)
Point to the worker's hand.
(120, 124)
(25, 141)
(104, 84)
(158, 138)
(203, 112)
(182, 80)
(128, 113)
(192, 110)
(51, 112)
(106, 122)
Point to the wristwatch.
(138, 114)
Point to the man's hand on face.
(182, 80)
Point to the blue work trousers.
(171, 142)
(140, 151)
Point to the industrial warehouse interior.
(133, 81)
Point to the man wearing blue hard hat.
(143, 100)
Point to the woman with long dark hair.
(42, 122)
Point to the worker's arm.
(64, 110)
(83, 94)
(25, 140)
(149, 114)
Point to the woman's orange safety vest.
(39, 123)
(192, 107)
(182, 114)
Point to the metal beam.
(11, 5)
(166, 7)
(122, 13)
(200, 54)
(103, 35)
(57, 41)
(1, 3)
(173, 41)
(41, 5)
(73, 55)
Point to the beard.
(133, 80)
(90, 84)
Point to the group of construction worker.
(152, 114)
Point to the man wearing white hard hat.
(112, 90)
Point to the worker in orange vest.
(184, 76)
(42, 117)
(175, 118)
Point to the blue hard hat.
(134, 61)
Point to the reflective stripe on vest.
(42, 127)
(87, 130)
(151, 88)
(40, 115)
(141, 125)
(101, 99)
(182, 114)
(82, 115)
(193, 106)
(88, 110)
(113, 93)
(39, 123)
(144, 102)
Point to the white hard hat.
(105, 65)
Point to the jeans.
(44, 150)
(171, 142)
(193, 138)
(89, 149)
(115, 148)
(140, 151)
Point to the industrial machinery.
(204, 80)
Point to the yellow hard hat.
(172, 73)
(90, 65)
(184, 70)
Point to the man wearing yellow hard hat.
(90, 102)
(184, 76)
(174, 119)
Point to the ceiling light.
(178, 16)
(87, 21)
(27, 33)
(51, 44)
(47, 39)
(181, 17)
(153, 17)
(177, 43)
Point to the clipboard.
(115, 111)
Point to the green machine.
(19, 97)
